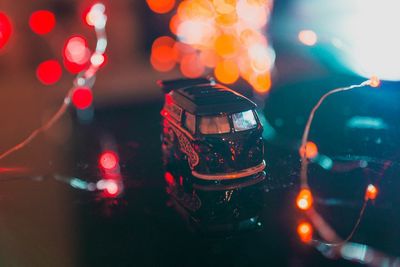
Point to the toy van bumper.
(231, 175)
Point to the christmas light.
(49, 72)
(80, 93)
(161, 6)
(310, 150)
(82, 97)
(108, 160)
(42, 22)
(371, 192)
(5, 29)
(304, 199)
(305, 232)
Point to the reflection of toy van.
(216, 130)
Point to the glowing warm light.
(227, 71)
(226, 45)
(308, 37)
(371, 192)
(310, 150)
(174, 24)
(82, 97)
(42, 21)
(304, 199)
(305, 232)
(191, 66)
(374, 81)
(226, 35)
(108, 160)
(76, 50)
(49, 72)
(163, 54)
(161, 6)
(5, 29)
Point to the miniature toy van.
(211, 128)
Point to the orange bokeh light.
(161, 6)
(304, 199)
(226, 45)
(227, 71)
(261, 82)
(371, 192)
(305, 232)
(310, 150)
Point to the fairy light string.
(304, 200)
(86, 78)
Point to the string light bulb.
(371, 192)
(304, 200)
(374, 81)
(305, 232)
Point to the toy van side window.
(190, 122)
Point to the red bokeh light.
(169, 178)
(108, 160)
(82, 97)
(111, 188)
(5, 29)
(161, 6)
(42, 21)
(49, 72)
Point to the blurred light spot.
(49, 72)
(374, 81)
(227, 71)
(209, 58)
(5, 29)
(163, 54)
(226, 45)
(110, 187)
(76, 50)
(161, 6)
(360, 122)
(95, 16)
(174, 23)
(261, 82)
(305, 232)
(42, 21)
(252, 14)
(108, 160)
(304, 199)
(82, 97)
(191, 66)
(324, 161)
(308, 37)
(97, 60)
(310, 150)
(169, 178)
(78, 183)
(371, 192)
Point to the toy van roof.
(207, 98)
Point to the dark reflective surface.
(55, 212)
